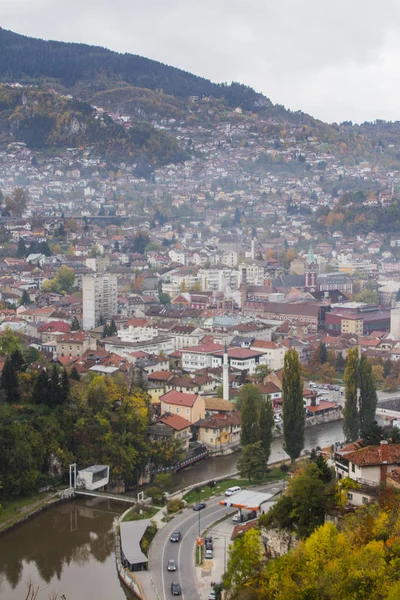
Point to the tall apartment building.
(99, 298)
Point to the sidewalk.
(212, 570)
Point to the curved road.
(162, 549)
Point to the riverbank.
(17, 512)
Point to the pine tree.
(250, 402)
(323, 353)
(21, 250)
(41, 389)
(351, 417)
(293, 412)
(113, 328)
(64, 387)
(25, 298)
(75, 374)
(9, 381)
(18, 361)
(105, 331)
(266, 426)
(368, 400)
(75, 325)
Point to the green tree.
(351, 422)
(75, 374)
(25, 298)
(327, 474)
(373, 434)
(368, 399)
(261, 372)
(245, 562)
(9, 381)
(16, 202)
(21, 249)
(266, 426)
(65, 277)
(293, 413)
(64, 387)
(252, 462)
(250, 402)
(323, 353)
(75, 325)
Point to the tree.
(377, 372)
(327, 474)
(293, 412)
(266, 426)
(65, 277)
(21, 249)
(368, 400)
(340, 362)
(64, 387)
(250, 403)
(261, 372)
(327, 372)
(113, 328)
(246, 559)
(323, 353)
(252, 462)
(302, 508)
(16, 202)
(351, 418)
(75, 374)
(9, 381)
(25, 298)
(75, 325)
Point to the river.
(69, 549)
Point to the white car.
(233, 490)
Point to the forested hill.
(43, 119)
(28, 60)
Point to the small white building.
(94, 477)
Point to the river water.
(69, 549)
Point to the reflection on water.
(69, 549)
(321, 435)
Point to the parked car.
(176, 589)
(208, 542)
(208, 553)
(243, 517)
(175, 536)
(212, 595)
(233, 490)
(171, 566)
(199, 506)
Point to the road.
(183, 552)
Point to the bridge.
(387, 413)
(105, 495)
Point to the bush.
(148, 537)
(284, 468)
(174, 505)
(156, 494)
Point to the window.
(349, 496)
(353, 467)
(365, 500)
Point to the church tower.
(310, 271)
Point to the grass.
(134, 515)
(221, 486)
(15, 510)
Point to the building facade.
(99, 298)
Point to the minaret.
(225, 376)
(243, 290)
(310, 271)
(253, 249)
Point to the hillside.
(92, 68)
(42, 119)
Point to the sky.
(334, 59)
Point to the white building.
(99, 298)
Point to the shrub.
(284, 468)
(174, 505)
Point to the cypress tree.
(75, 326)
(40, 391)
(75, 374)
(250, 402)
(113, 328)
(351, 421)
(55, 387)
(21, 249)
(266, 426)
(64, 387)
(293, 412)
(323, 353)
(9, 381)
(368, 400)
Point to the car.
(175, 536)
(208, 538)
(199, 506)
(176, 589)
(208, 553)
(212, 595)
(171, 566)
(233, 490)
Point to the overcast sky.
(335, 59)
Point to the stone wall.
(278, 542)
(333, 415)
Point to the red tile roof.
(179, 398)
(372, 455)
(175, 421)
(160, 376)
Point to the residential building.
(171, 426)
(99, 298)
(188, 406)
(74, 344)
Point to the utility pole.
(199, 523)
